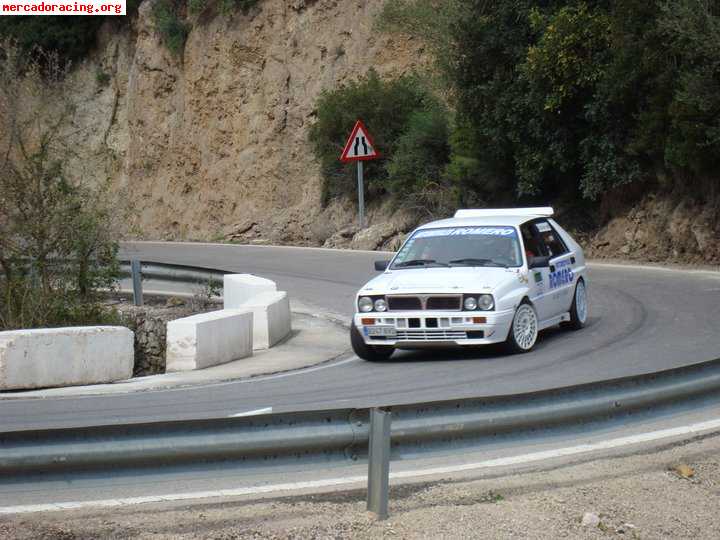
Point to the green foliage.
(57, 246)
(172, 28)
(422, 151)
(226, 7)
(569, 99)
(102, 78)
(71, 36)
(196, 6)
(229, 6)
(396, 112)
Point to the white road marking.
(292, 373)
(692, 429)
(266, 410)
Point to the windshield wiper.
(469, 261)
(419, 262)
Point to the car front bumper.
(413, 329)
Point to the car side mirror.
(381, 266)
(539, 262)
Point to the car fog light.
(365, 304)
(470, 303)
(380, 304)
(485, 302)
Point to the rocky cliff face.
(213, 144)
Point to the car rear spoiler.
(545, 211)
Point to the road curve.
(642, 320)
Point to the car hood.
(455, 279)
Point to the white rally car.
(484, 276)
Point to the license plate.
(384, 331)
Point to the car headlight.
(470, 303)
(486, 302)
(380, 304)
(365, 304)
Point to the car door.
(538, 278)
(561, 278)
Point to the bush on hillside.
(70, 37)
(575, 98)
(172, 28)
(400, 114)
(57, 244)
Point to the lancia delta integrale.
(482, 277)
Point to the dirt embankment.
(661, 229)
(213, 143)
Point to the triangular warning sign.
(360, 146)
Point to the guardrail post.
(379, 462)
(137, 282)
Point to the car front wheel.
(373, 353)
(524, 329)
(579, 308)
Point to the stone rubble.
(149, 322)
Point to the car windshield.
(493, 246)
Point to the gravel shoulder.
(671, 493)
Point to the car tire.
(372, 353)
(523, 330)
(579, 308)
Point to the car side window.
(550, 239)
(533, 245)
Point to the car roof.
(484, 221)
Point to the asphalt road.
(642, 320)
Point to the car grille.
(445, 303)
(403, 303)
(430, 335)
(432, 303)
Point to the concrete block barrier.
(271, 318)
(45, 358)
(239, 288)
(209, 339)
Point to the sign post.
(360, 147)
(361, 193)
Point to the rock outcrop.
(213, 143)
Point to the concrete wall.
(209, 339)
(271, 318)
(239, 288)
(65, 356)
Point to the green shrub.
(102, 78)
(71, 37)
(422, 152)
(571, 99)
(196, 6)
(387, 108)
(57, 243)
(172, 28)
(226, 6)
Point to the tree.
(385, 106)
(572, 99)
(56, 242)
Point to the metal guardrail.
(345, 433)
(174, 273)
